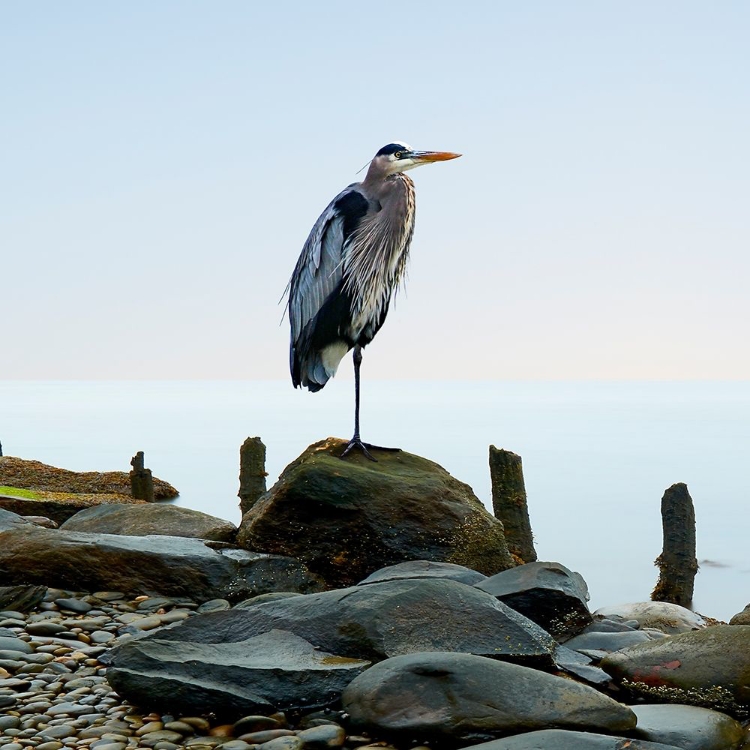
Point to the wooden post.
(509, 503)
(141, 481)
(677, 563)
(252, 473)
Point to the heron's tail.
(313, 369)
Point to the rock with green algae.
(708, 668)
(348, 518)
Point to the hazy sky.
(162, 163)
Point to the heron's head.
(398, 157)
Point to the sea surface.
(597, 456)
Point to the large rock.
(564, 739)
(664, 616)
(545, 592)
(380, 620)
(346, 519)
(709, 668)
(741, 618)
(688, 727)
(269, 672)
(459, 699)
(58, 507)
(149, 565)
(142, 520)
(425, 569)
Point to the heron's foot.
(355, 442)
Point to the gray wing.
(316, 281)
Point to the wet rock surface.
(547, 593)
(380, 620)
(425, 569)
(663, 616)
(564, 739)
(708, 668)
(144, 520)
(465, 698)
(276, 670)
(347, 519)
(688, 727)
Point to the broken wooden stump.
(509, 503)
(252, 473)
(141, 481)
(677, 563)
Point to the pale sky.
(163, 161)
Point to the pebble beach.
(54, 695)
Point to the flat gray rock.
(607, 642)
(460, 698)
(153, 565)
(664, 616)
(688, 727)
(563, 739)
(386, 619)
(546, 592)
(425, 569)
(143, 520)
(276, 670)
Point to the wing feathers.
(319, 311)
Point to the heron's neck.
(382, 187)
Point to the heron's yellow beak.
(426, 157)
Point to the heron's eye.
(398, 155)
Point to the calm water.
(597, 456)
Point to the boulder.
(709, 668)
(564, 739)
(380, 620)
(664, 616)
(597, 644)
(741, 618)
(59, 507)
(153, 565)
(144, 520)
(269, 672)
(21, 598)
(688, 727)
(450, 698)
(425, 569)
(581, 667)
(347, 519)
(545, 592)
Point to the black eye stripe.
(392, 148)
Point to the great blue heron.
(349, 268)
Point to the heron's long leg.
(356, 441)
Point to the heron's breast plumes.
(375, 258)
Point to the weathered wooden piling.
(509, 503)
(252, 473)
(141, 481)
(677, 563)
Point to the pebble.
(74, 605)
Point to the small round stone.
(74, 605)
